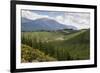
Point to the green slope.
(77, 45)
(62, 46)
(74, 34)
(80, 45)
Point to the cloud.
(79, 20)
(60, 19)
(32, 15)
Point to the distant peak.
(44, 19)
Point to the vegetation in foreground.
(43, 46)
(29, 54)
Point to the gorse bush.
(29, 54)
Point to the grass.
(60, 45)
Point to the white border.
(20, 65)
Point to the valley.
(59, 45)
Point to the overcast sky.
(79, 20)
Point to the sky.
(80, 20)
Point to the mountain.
(43, 24)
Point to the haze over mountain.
(76, 19)
(43, 24)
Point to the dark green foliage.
(60, 45)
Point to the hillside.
(60, 45)
(28, 54)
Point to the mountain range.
(43, 24)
